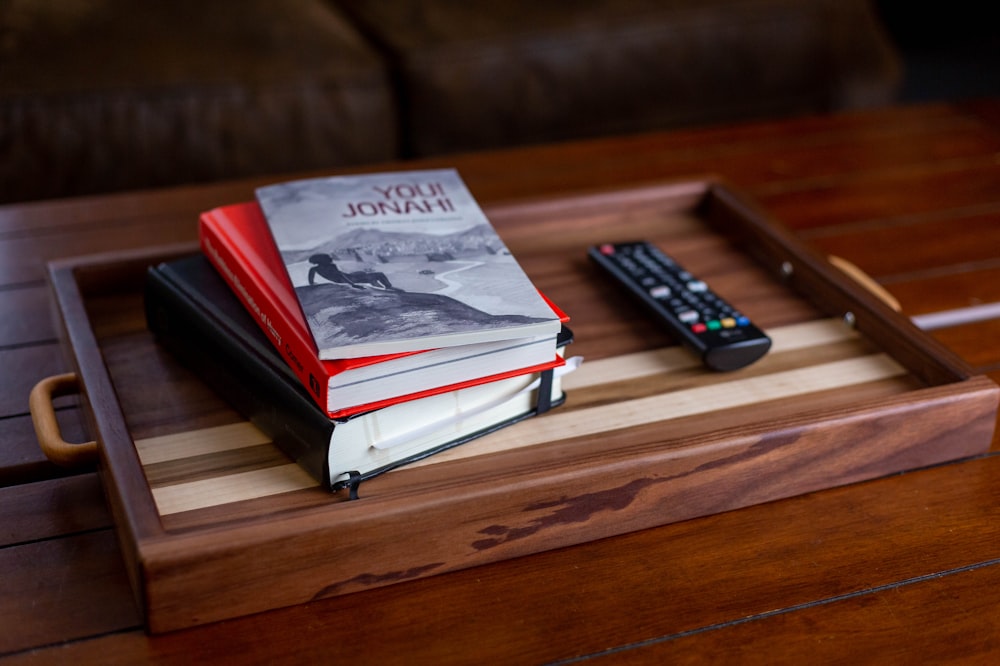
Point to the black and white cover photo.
(400, 261)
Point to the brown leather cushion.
(478, 75)
(97, 96)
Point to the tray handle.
(43, 416)
(865, 281)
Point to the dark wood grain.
(22, 460)
(34, 320)
(959, 620)
(968, 341)
(23, 258)
(893, 250)
(956, 286)
(956, 186)
(23, 367)
(52, 508)
(696, 583)
(66, 602)
(899, 569)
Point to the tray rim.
(148, 546)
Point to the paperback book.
(236, 240)
(399, 262)
(194, 314)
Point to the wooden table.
(906, 566)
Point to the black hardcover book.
(193, 314)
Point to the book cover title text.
(402, 199)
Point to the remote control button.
(728, 323)
(660, 291)
(699, 328)
(689, 316)
(697, 286)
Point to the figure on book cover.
(422, 284)
(324, 267)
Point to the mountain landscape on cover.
(370, 284)
(368, 312)
(382, 246)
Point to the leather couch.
(106, 95)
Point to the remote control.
(703, 322)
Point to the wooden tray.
(215, 522)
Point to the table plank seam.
(36, 649)
(621, 649)
(27, 345)
(907, 220)
(27, 284)
(56, 537)
(940, 271)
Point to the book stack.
(362, 322)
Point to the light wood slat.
(233, 461)
(223, 489)
(201, 450)
(212, 488)
(233, 436)
(672, 359)
(670, 405)
(205, 441)
(231, 488)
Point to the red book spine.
(239, 274)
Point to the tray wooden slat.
(209, 467)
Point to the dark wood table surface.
(900, 568)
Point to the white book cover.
(399, 261)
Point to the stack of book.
(362, 322)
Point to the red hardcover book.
(237, 241)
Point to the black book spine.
(240, 366)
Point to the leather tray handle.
(43, 416)
(865, 281)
